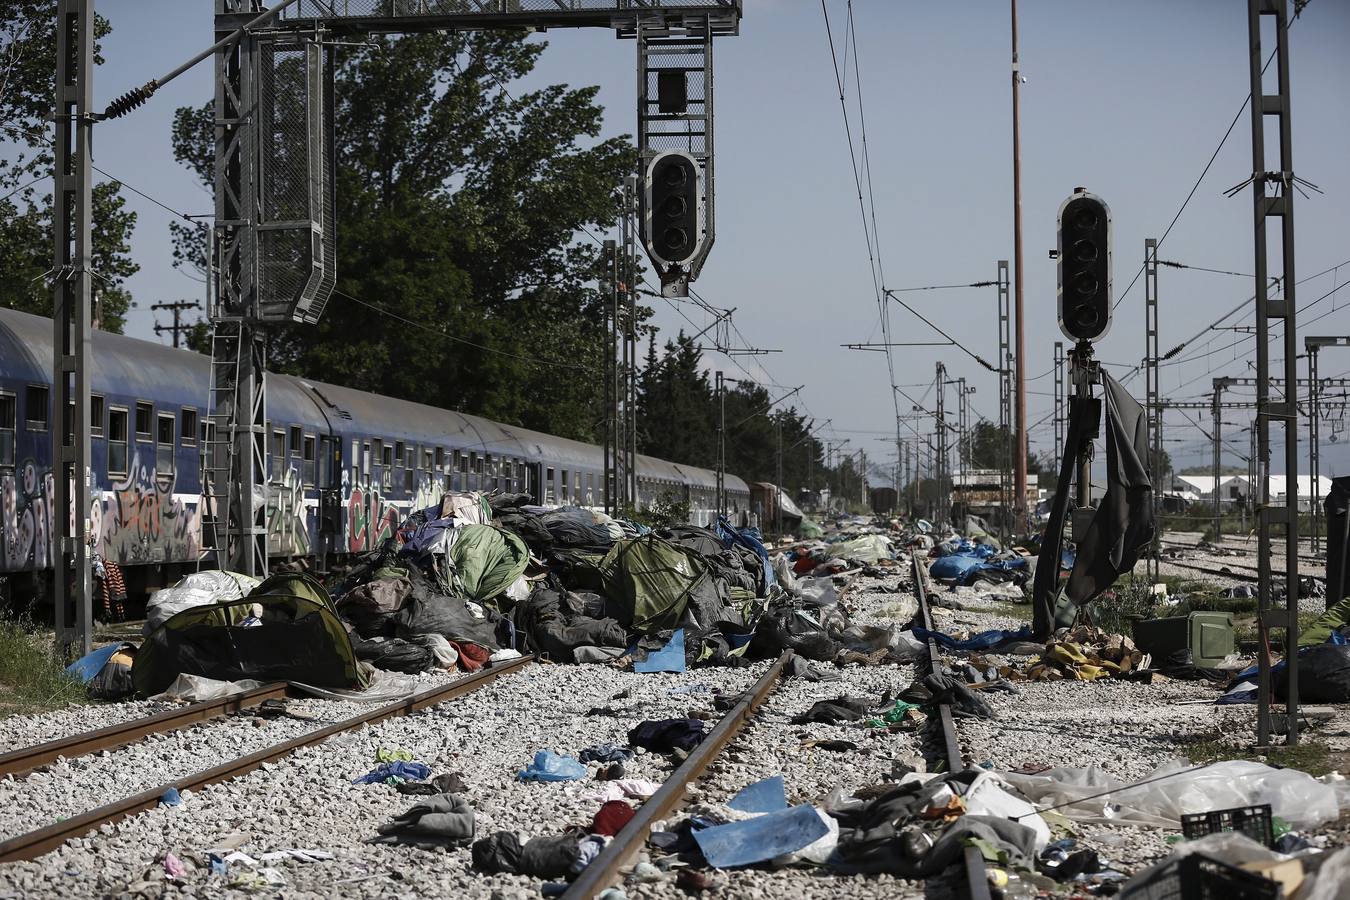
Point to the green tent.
(648, 582)
(486, 560)
(298, 638)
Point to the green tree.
(462, 279)
(27, 91)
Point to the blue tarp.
(954, 566)
(89, 665)
(766, 796)
(761, 838)
(669, 658)
(985, 640)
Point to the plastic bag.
(1332, 881)
(550, 766)
(986, 797)
(1323, 674)
(1177, 789)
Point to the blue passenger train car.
(344, 466)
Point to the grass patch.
(1245, 630)
(32, 676)
(1312, 757)
(1020, 611)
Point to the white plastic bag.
(986, 797)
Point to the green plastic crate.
(1208, 635)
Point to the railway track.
(735, 731)
(42, 840)
(1227, 570)
(24, 760)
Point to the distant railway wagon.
(344, 466)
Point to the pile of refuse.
(480, 578)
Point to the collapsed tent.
(286, 630)
(651, 582)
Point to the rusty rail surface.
(35, 843)
(26, 759)
(977, 878)
(605, 870)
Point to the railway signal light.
(673, 209)
(1084, 262)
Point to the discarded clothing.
(606, 753)
(497, 854)
(440, 820)
(1323, 674)
(445, 783)
(665, 735)
(943, 689)
(669, 658)
(393, 754)
(408, 771)
(394, 655)
(587, 851)
(550, 766)
(831, 712)
(613, 815)
(985, 640)
(549, 857)
(619, 788)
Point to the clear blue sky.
(1127, 99)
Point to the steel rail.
(977, 878)
(35, 843)
(604, 871)
(1224, 570)
(26, 759)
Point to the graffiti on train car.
(287, 516)
(140, 520)
(372, 518)
(26, 500)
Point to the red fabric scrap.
(611, 818)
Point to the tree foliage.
(464, 276)
(27, 92)
(678, 416)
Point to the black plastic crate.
(1255, 822)
(1197, 877)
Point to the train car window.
(95, 415)
(461, 462)
(548, 487)
(325, 461)
(440, 459)
(309, 459)
(376, 450)
(398, 453)
(188, 432)
(387, 455)
(364, 457)
(564, 489)
(145, 414)
(164, 441)
(489, 480)
(295, 440)
(278, 461)
(576, 488)
(410, 469)
(431, 459)
(8, 428)
(117, 440)
(35, 408)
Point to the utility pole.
(942, 503)
(1313, 347)
(1060, 417)
(1005, 404)
(778, 498)
(1216, 439)
(177, 309)
(72, 265)
(962, 437)
(612, 376)
(862, 481)
(1285, 413)
(1152, 402)
(1314, 466)
(629, 270)
(721, 445)
(1019, 351)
